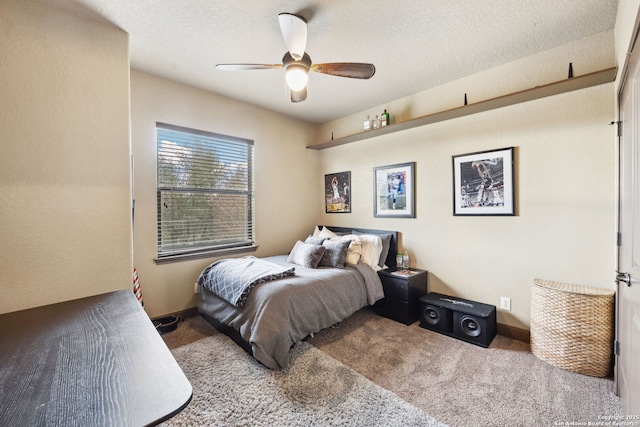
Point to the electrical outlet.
(196, 288)
(505, 303)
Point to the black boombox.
(469, 321)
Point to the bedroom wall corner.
(287, 199)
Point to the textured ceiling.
(414, 44)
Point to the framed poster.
(337, 190)
(483, 183)
(393, 192)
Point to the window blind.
(205, 191)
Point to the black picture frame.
(337, 192)
(484, 183)
(394, 191)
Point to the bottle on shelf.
(367, 123)
(384, 119)
(398, 260)
(376, 123)
(405, 260)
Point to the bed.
(272, 315)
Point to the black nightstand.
(401, 295)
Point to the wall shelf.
(574, 83)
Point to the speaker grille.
(470, 326)
(432, 315)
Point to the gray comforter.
(279, 313)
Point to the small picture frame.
(483, 183)
(337, 190)
(393, 191)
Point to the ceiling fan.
(297, 62)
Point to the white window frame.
(207, 210)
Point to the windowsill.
(206, 254)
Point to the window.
(205, 192)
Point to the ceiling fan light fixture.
(296, 76)
(297, 62)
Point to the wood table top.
(94, 361)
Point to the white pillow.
(325, 232)
(371, 249)
(316, 232)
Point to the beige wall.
(287, 195)
(64, 169)
(565, 177)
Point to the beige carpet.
(230, 388)
(457, 383)
(462, 384)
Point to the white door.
(628, 278)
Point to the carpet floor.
(462, 384)
(456, 383)
(230, 388)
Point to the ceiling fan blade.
(294, 31)
(240, 67)
(299, 95)
(354, 70)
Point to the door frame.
(624, 80)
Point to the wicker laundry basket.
(572, 326)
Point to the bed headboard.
(393, 244)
